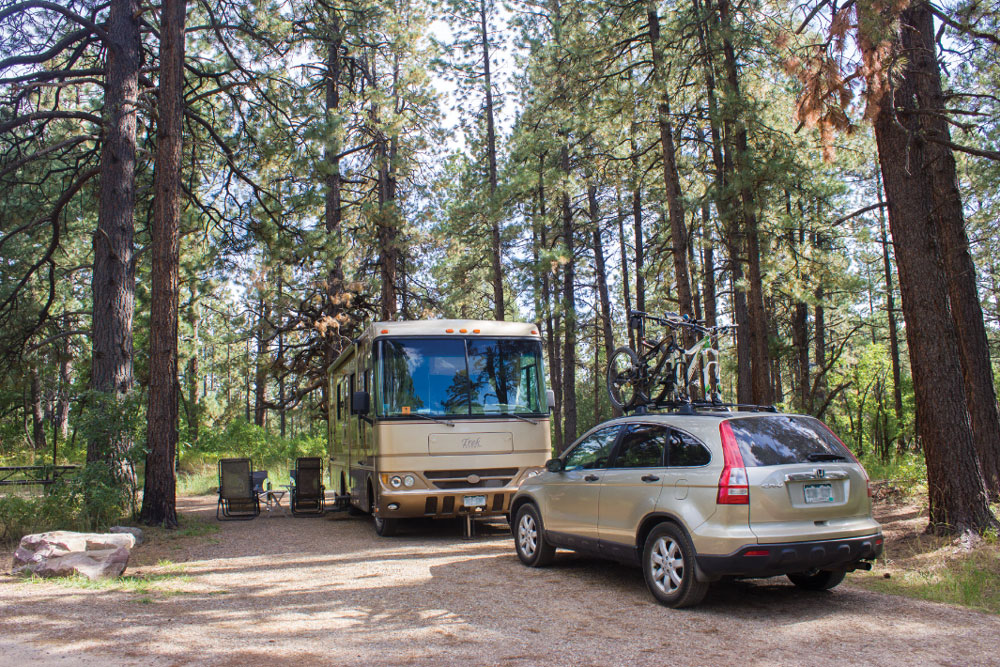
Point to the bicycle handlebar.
(675, 321)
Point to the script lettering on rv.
(470, 443)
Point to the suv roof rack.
(693, 407)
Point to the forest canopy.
(201, 203)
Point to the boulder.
(130, 530)
(62, 553)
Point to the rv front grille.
(462, 474)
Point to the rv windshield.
(457, 377)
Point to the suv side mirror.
(550, 398)
(555, 465)
(360, 403)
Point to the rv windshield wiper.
(822, 456)
(429, 418)
(516, 416)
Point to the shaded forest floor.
(328, 591)
(929, 567)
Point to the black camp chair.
(308, 493)
(237, 499)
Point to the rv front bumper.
(437, 503)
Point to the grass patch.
(970, 580)
(140, 584)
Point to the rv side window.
(350, 393)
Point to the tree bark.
(260, 368)
(568, 308)
(114, 260)
(757, 315)
(957, 495)
(626, 290)
(491, 156)
(890, 304)
(37, 412)
(949, 221)
(61, 422)
(671, 179)
(159, 493)
(603, 296)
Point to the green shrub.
(242, 439)
(89, 500)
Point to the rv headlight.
(408, 481)
(395, 481)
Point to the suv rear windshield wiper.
(822, 456)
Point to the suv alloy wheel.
(529, 539)
(668, 566)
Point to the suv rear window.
(781, 439)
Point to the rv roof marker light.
(534, 332)
(463, 331)
(475, 331)
(385, 331)
(449, 331)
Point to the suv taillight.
(733, 483)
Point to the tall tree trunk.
(260, 366)
(61, 422)
(671, 179)
(728, 205)
(757, 315)
(957, 496)
(194, 412)
(159, 493)
(332, 213)
(551, 324)
(890, 305)
(491, 156)
(949, 220)
(626, 290)
(37, 412)
(568, 307)
(114, 260)
(601, 278)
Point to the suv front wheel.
(668, 566)
(529, 538)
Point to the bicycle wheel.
(625, 378)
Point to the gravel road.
(327, 591)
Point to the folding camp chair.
(237, 499)
(308, 493)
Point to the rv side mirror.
(555, 465)
(360, 403)
(550, 398)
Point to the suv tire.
(669, 568)
(823, 580)
(529, 538)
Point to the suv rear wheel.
(823, 580)
(668, 566)
(529, 538)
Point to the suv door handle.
(650, 478)
(591, 478)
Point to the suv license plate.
(819, 493)
(479, 501)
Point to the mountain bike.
(664, 372)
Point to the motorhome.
(437, 418)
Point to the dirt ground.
(327, 591)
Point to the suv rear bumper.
(792, 557)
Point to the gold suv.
(695, 497)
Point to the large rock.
(62, 553)
(130, 530)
